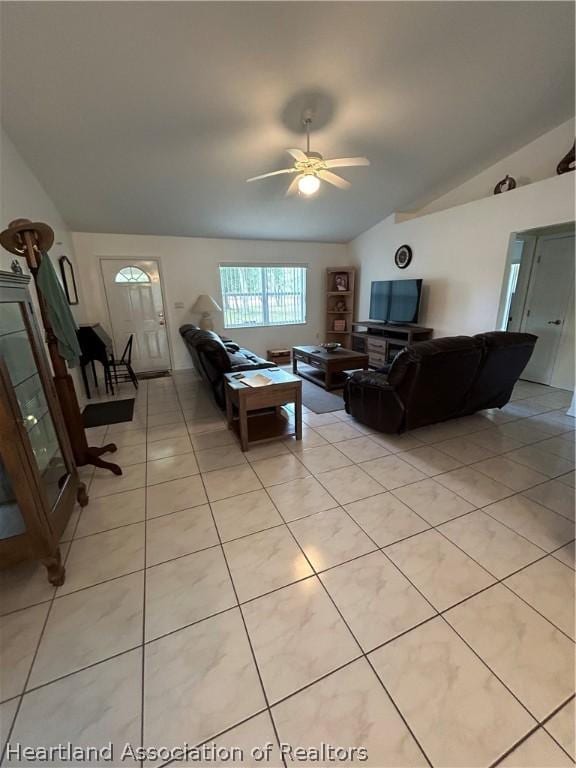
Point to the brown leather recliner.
(433, 381)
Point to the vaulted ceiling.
(148, 117)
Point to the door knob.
(554, 322)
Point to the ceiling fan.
(311, 169)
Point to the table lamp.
(204, 305)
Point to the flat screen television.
(395, 301)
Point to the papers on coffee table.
(257, 381)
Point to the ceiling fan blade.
(346, 162)
(293, 188)
(332, 178)
(273, 173)
(297, 154)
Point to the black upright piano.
(96, 346)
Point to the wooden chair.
(125, 363)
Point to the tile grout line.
(145, 580)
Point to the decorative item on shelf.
(340, 325)
(68, 279)
(403, 256)
(505, 185)
(568, 162)
(205, 305)
(340, 306)
(16, 268)
(341, 281)
(278, 356)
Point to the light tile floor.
(412, 595)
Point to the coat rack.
(30, 240)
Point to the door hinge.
(538, 259)
(528, 313)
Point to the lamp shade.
(205, 303)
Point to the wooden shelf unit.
(340, 304)
(382, 341)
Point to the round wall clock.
(403, 256)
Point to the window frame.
(264, 293)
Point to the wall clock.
(403, 256)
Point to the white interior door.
(134, 295)
(547, 310)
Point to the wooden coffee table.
(255, 428)
(329, 365)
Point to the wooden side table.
(285, 388)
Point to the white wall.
(189, 267)
(460, 253)
(533, 162)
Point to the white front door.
(134, 295)
(547, 311)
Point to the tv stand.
(382, 341)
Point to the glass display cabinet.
(39, 482)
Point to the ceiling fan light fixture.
(308, 184)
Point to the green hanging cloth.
(61, 319)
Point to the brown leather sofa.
(213, 356)
(433, 381)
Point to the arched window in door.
(131, 275)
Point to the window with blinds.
(271, 295)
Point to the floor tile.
(199, 426)
(166, 433)
(267, 450)
(442, 572)
(538, 751)
(7, 713)
(99, 705)
(23, 585)
(104, 556)
(554, 495)
(494, 441)
(124, 439)
(279, 469)
(204, 676)
(562, 726)
(392, 472)
(19, 635)
(171, 468)
(349, 484)
(430, 460)
(241, 515)
(331, 537)
(396, 443)
(433, 502)
(351, 708)
(297, 636)
(215, 439)
(540, 525)
(323, 458)
(174, 496)
(334, 433)
(220, 457)
(458, 710)
(113, 511)
(232, 481)
(310, 439)
(301, 497)
(513, 475)
(129, 454)
(186, 590)
(265, 561)
(90, 626)
(475, 487)
(568, 479)
(548, 586)
(164, 419)
(105, 483)
(163, 449)
(386, 519)
(362, 449)
(523, 431)
(495, 547)
(376, 600)
(319, 419)
(464, 449)
(531, 657)
(566, 555)
(180, 533)
(540, 460)
(249, 738)
(558, 446)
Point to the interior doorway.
(538, 298)
(136, 307)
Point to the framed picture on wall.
(68, 279)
